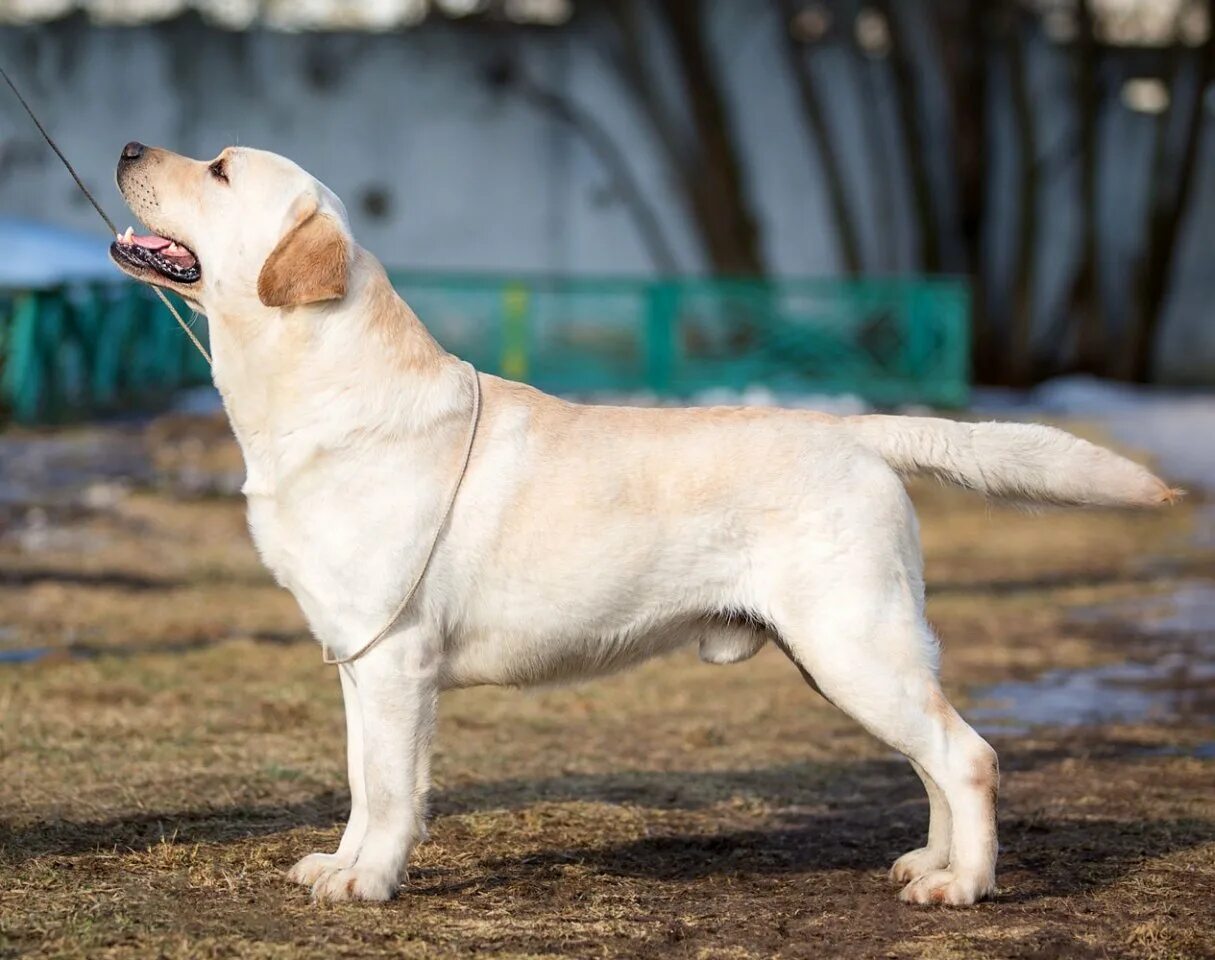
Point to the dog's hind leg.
(850, 615)
(312, 867)
(934, 855)
(967, 770)
(897, 699)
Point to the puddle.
(28, 654)
(1170, 688)
(44, 470)
(1169, 673)
(1201, 751)
(1189, 611)
(47, 482)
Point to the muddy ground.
(170, 744)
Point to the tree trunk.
(882, 171)
(715, 180)
(964, 38)
(1024, 285)
(1087, 302)
(906, 87)
(1170, 198)
(819, 132)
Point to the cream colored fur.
(584, 539)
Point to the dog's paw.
(314, 866)
(917, 863)
(947, 887)
(355, 883)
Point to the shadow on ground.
(825, 817)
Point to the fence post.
(21, 383)
(516, 307)
(662, 312)
(956, 344)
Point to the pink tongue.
(151, 243)
(160, 244)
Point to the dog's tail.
(1025, 462)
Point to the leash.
(96, 206)
(326, 656)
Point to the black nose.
(132, 151)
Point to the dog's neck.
(318, 378)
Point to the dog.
(583, 539)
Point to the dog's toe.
(355, 883)
(917, 863)
(314, 866)
(948, 888)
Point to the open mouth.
(172, 260)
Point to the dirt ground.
(180, 746)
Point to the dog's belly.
(526, 660)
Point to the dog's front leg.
(397, 685)
(312, 867)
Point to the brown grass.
(151, 798)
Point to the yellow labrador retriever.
(583, 539)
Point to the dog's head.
(245, 232)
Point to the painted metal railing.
(80, 350)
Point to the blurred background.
(890, 200)
(991, 208)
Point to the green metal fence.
(72, 351)
(82, 349)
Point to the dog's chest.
(285, 548)
(343, 545)
(273, 536)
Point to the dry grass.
(151, 798)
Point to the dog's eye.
(219, 171)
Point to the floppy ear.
(308, 264)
